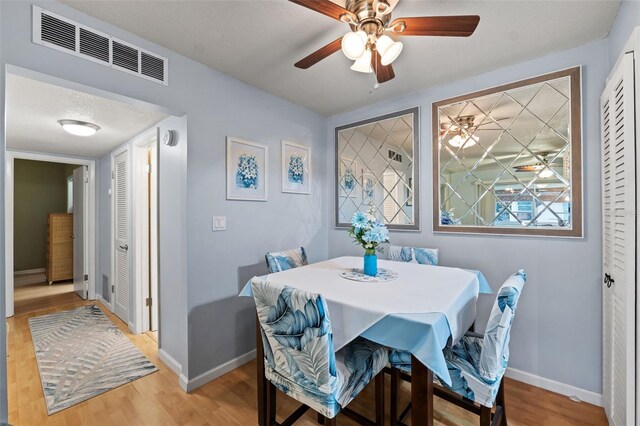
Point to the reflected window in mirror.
(377, 169)
(507, 160)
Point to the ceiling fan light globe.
(354, 44)
(458, 140)
(363, 63)
(389, 50)
(545, 173)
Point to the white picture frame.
(253, 186)
(296, 183)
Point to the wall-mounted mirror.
(377, 167)
(507, 160)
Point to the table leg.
(260, 379)
(421, 394)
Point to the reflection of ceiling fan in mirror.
(542, 168)
(368, 42)
(463, 131)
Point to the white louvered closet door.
(619, 243)
(121, 236)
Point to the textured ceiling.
(34, 108)
(259, 41)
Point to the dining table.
(411, 307)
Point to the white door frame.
(90, 237)
(140, 236)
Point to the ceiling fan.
(368, 42)
(462, 132)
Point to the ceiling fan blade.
(383, 72)
(320, 54)
(325, 7)
(449, 26)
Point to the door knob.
(124, 247)
(608, 280)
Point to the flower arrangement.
(368, 232)
(247, 174)
(296, 169)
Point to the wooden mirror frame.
(576, 230)
(415, 112)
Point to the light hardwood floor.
(34, 297)
(157, 399)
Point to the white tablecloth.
(356, 306)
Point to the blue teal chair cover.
(476, 363)
(287, 259)
(299, 357)
(423, 256)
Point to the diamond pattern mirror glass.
(508, 160)
(377, 169)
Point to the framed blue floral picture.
(296, 168)
(247, 170)
(348, 177)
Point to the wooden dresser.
(60, 247)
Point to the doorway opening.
(122, 204)
(37, 221)
(49, 240)
(145, 217)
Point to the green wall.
(40, 188)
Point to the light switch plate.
(219, 223)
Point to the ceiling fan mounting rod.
(372, 27)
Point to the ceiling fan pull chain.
(374, 77)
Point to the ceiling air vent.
(65, 35)
(125, 56)
(152, 66)
(94, 45)
(58, 32)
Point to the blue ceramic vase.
(370, 265)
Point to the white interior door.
(121, 236)
(619, 244)
(80, 187)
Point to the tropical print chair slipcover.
(423, 256)
(287, 259)
(476, 364)
(299, 358)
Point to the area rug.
(81, 354)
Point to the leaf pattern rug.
(81, 354)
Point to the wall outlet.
(219, 223)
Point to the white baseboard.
(191, 384)
(30, 271)
(29, 277)
(553, 386)
(104, 302)
(174, 365)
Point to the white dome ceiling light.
(79, 128)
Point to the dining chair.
(288, 259)
(423, 256)
(476, 363)
(299, 357)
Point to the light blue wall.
(557, 334)
(219, 327)
(627, 19)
